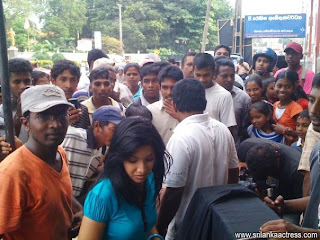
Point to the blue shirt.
(125, 222)
(253, 132)
(138, 93)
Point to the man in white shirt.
(219, 100)
(162, 120)
(203, 154)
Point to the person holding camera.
(273, 167)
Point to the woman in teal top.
(122, 203)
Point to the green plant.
(41, 56)
(42, 63)
(57, 56)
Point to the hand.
(280, 226)
(168, 106)
(278, 128)
(6, 147)
(74, 115)
(243, 164)
(75, 227)
(277, 205)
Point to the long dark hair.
(130, 134)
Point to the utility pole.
(205, 29)
(120, 22)
(5, 85)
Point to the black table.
(219, 212)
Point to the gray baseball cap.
(42, 97)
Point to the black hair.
(172, 60)
(95, 54)
(131, 134)
(183, 60)
(62, 65)
(19, 65)
(135, 109)
(304, 114)
(35, 75)
(203, 60)
(265, 109)
(149, 69)
(189, 96)
(222, 46)
(224, 62)
(254, 78)
(281, 62)
(291, 76)
(99, 72)
(316, 81)
(265, 84)
(170, 72)
(221, 57)
(262, 161)
(131, 65)
(161, 64)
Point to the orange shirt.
(303, 103)
(287, 119)
(35, 200)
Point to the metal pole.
(205, 29)
(5, 85)
(120, 22)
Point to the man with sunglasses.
(36, 192)
(101, 86)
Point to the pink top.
(308, 79)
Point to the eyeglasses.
(51, 118)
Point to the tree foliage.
(154, 24)
(173, 26)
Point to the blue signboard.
(275, 26)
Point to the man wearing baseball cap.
(83, 147)
(294, 54)
(35, 192)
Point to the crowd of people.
(123, 158)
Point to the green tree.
(112, 45)
(57, 56)
(63, 21)
(175, 25)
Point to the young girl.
(286, 110)
(303, 123)
(261, 119)
(253, 86)
(269, 93)
(122, 203)
(132, 78)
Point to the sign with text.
(275, 26)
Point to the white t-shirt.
(162, 121)
(202, 151)
(220, 105)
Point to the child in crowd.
(286, 110)
(39, 77)
(261, 119)
(254, 89)
(303, 122)
(269, 93)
